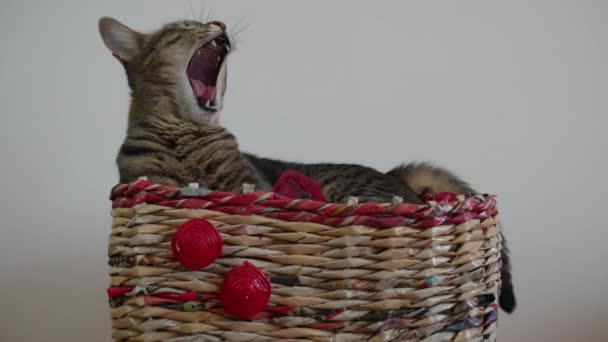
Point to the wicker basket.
(338, 272)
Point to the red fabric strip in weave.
(448, 210)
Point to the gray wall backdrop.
(511, 95)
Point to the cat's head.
(178, 70)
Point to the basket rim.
(271, 205)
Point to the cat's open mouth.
(203, 71)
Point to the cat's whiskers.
(209, 15)
(201, 13)
(237, 31)
(192, 9)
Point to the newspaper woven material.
(325, 271)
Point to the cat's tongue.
(203, 92)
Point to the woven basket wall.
(338, 272)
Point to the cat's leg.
(423, 177)
(132, 166)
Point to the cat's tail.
(426, 177)
(506, 298)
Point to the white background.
(511, 95)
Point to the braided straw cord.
(331, 281)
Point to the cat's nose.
(219, 23)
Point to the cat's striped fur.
(182, 153)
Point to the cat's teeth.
(213, 43)
(211, 104)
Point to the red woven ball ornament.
(196, 244)
(245, 291)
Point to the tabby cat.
(177, 78)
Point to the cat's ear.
(124, 42)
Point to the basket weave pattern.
(372, 271)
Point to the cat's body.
(338, 181)
(178, 78)
(179, 153)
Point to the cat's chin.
(206, 73)
(202, 117)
